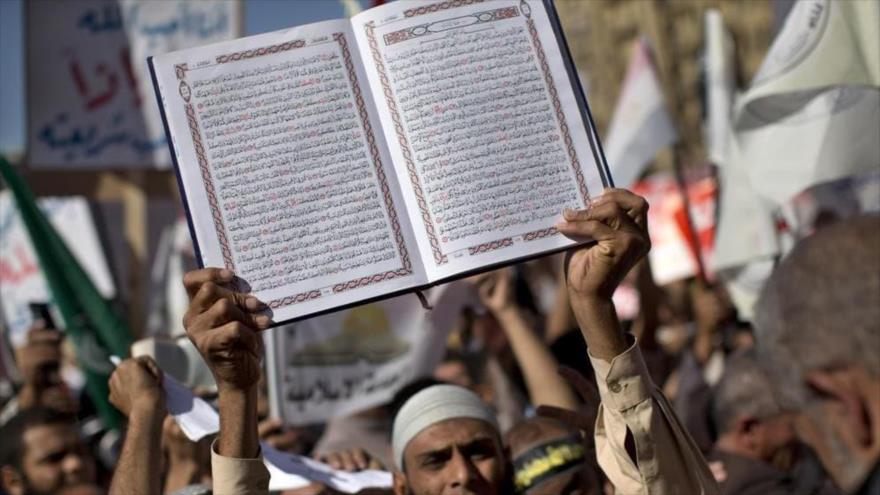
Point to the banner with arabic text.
(90, 100)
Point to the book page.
(285, 175)
(488, 138)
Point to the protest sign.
(351, 360)
(21, 280)
(90, 100)
(672, 253)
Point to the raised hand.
(618, 222)
(136, 386)
(496, 290)
(223, 325)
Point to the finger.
(150, 365)
(585, 230)
(223, 312)
(230, 336)
(635, 206)
(210, 292)
(486, 287)
(360, 458)
(193, 280)
(828, 384)
(375, 464)
(868, 389)
(45, 336)
(348, 461)
(613, 215)
(331, 460)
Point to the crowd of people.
(536, 395)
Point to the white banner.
(90, 99)
(21, 278)
(351, 360)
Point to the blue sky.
(260, 16)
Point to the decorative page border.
(554, 95)
(219, 227)
(186, 94)
(436, 7)
(413, 32)
(439, 257)
(421, 30)
(380, 173)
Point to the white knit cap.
(431, 406)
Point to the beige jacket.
(667, 461)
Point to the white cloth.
(431, 406)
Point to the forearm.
(539, 367)
(597, 319)
(559, 320)
(238, 423)
(139, 463)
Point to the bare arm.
(537, 363)
(135, 389)
(224, 325)
(617, 222)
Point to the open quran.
(348, 160)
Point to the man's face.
(55, 458)
(455, 457)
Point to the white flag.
(812, 113)
(641, 125)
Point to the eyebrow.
(477, 442)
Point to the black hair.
(409, 390)
(12, 433)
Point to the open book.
(355, 159)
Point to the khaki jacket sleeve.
(665, 459)
(234, 476)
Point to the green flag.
(90, 322)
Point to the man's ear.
(400, 487)
(11, 480)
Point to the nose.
(75, 467)
(463, 471)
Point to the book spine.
(580, 95)
(177, 172)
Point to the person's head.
(445, 440)
(746, 415)
(817, 327)
(42, 453)
(550, 458)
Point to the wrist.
(150, 412)
(597, 318)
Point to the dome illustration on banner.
(366, 335)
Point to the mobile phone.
(40, 311)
